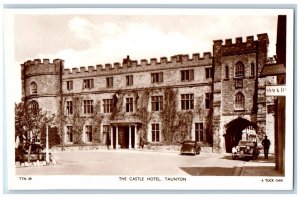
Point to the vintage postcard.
(176, 99)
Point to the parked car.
(190, 147)
(245, 149)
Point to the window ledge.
(239, 110)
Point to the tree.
(29, 123)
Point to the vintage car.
(190, 147)
(245, 149)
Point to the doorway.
(234, 132)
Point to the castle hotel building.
(216, 98)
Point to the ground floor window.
(155, 132)
(88, 133)
(199, 132)
(106, 138)
(69, 134)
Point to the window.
(105, 128)
(33, 88)
(155, 132)
(69, 134)
(252, 69)
(88, 133)
(208, 72)
(187, 101)
(239, 83)
(239, 101)
(69, 107)
(109, 82)
(107, 105)
(226, 72)
(88, 106)
(157, 77)
(34, 107)
(129, 80)
(69, 85)
(207, 100)
(239, 69)
(129, 104)
(187, 75)
(88, 83)
(106, 137)
(199, 136)
(156, 103)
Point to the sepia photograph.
(149, 98)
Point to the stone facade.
(209, 92)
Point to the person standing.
(266, 144)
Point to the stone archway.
(234, 132)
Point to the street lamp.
(47, 138)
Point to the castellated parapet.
(176, 61)
(240, 47)
(38, 67)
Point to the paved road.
(131, 162)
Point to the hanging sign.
(276, 90)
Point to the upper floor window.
(69, 85)
(187, 101)
(208, 72)
(239, 101)
(129, 104)
(187, 75)
(69, 108)
(226, 72)
(129, 80)
(157, 77)
(207, 100)
(156, 103)
(109, 82)
(33, 88)
(239, 69)
(107, 105)
(252, 69)
(34, 107)
(88, 107)
(88, 83)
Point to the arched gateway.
(234, 132)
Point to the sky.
(83, 40)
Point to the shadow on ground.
(262, 171)
(229, 157)
(209, 171)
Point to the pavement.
(260, 167)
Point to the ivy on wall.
(176, 125)
(96, 120)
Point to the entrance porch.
(123, 135)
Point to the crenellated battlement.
(240, 45)
(128, 64)
(39, 62)
(38, 67)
